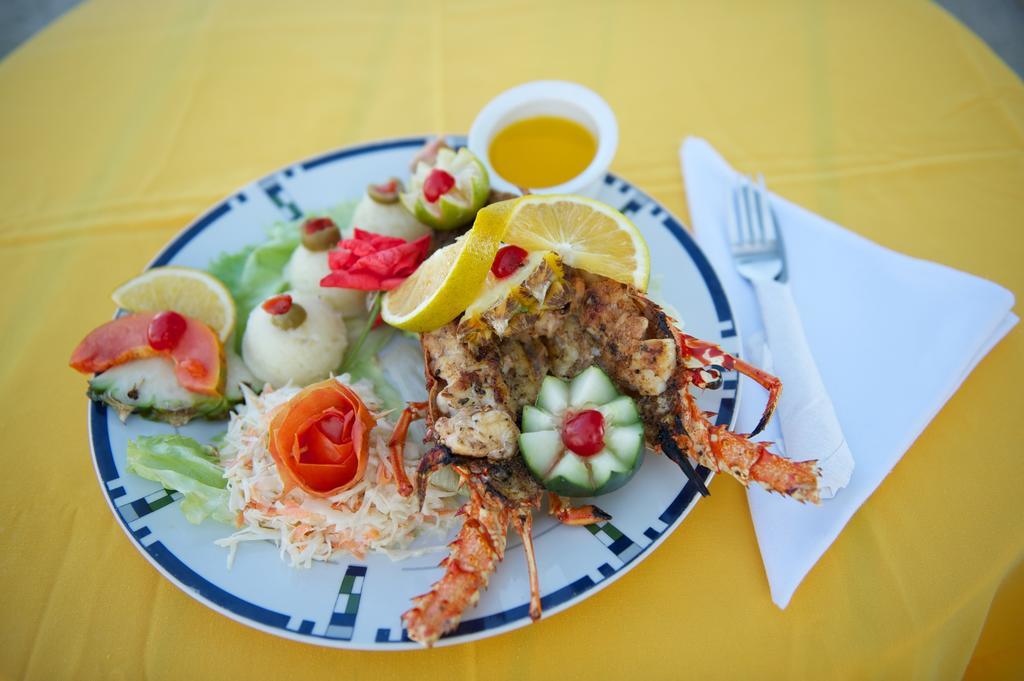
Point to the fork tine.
(739, 210)
(735, 222)
(757, 213)
(750, 216)
(750, 238)
(766, 218)
(756, 239)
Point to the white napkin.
(861, 305)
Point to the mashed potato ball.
(389, 219)
(304, 354)
(305, 270)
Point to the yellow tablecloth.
(123, 120)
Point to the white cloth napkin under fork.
(865, 309)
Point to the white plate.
(358, 603)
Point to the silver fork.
(754, 237)
(810, 428)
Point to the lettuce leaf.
(180, 463)
(258, 271)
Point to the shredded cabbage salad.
(371, 516)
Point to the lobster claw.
(575, 515)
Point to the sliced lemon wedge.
(449, 280)
(191, 292)
(585, 233)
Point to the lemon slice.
(191, 292)
(586, 234)
(449, 280)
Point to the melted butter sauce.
(542, 152)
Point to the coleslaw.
(371, 516)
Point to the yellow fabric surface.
(124, 120)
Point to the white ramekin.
(549, 98)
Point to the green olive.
(321, 240)
(386, 192)
(291, 319)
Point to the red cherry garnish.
(278, 304)
(583, 433)
(437, 184)
(314, 225)
(507, 260)
(165, 330)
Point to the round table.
(123, 120)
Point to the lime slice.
(457, 206)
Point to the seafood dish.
(577, 321)
(549, 371)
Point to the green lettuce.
(180, 463)
(258, 271)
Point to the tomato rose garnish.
(320, 439)
(374, 262)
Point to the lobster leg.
(709, 355)
(716, 448)
(523, 521)
(580, 515)
(752, 462)
(396, 445)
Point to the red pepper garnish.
(314, 225)
(165, 330)
(507, 260)
(437, 184)
(277, 304)
(583, 433)
(374, 262)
